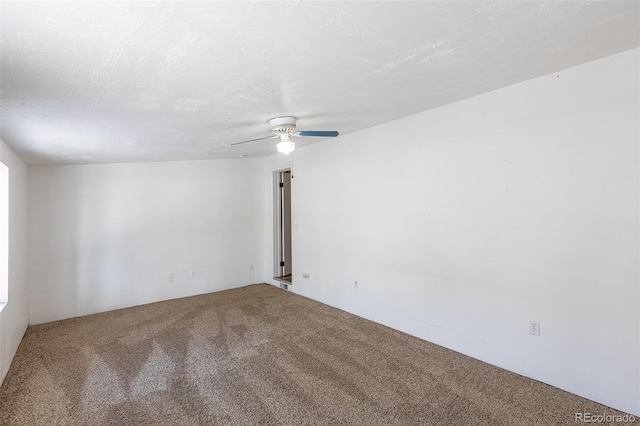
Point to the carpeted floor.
(260, 356)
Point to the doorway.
(282, 229)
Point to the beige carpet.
(260, 356)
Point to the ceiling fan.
(284, 128)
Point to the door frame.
(278, 240)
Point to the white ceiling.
(87, 82)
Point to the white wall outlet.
(171, 276)
(534, 327)
(305, 275)
(193, 274)
(355, 284)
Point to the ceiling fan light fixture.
(285, 146)
(284, 128)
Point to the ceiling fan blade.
(320, 133)
(253, 140)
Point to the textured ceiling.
(88, 82)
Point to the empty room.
(311, 212)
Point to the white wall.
(108, 236)
(463, 222)
(15, 314)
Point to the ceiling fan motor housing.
(283, 125)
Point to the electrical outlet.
(305, 275)
(171, 276)
(355, 284)
(193, 274)
(534, 327)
